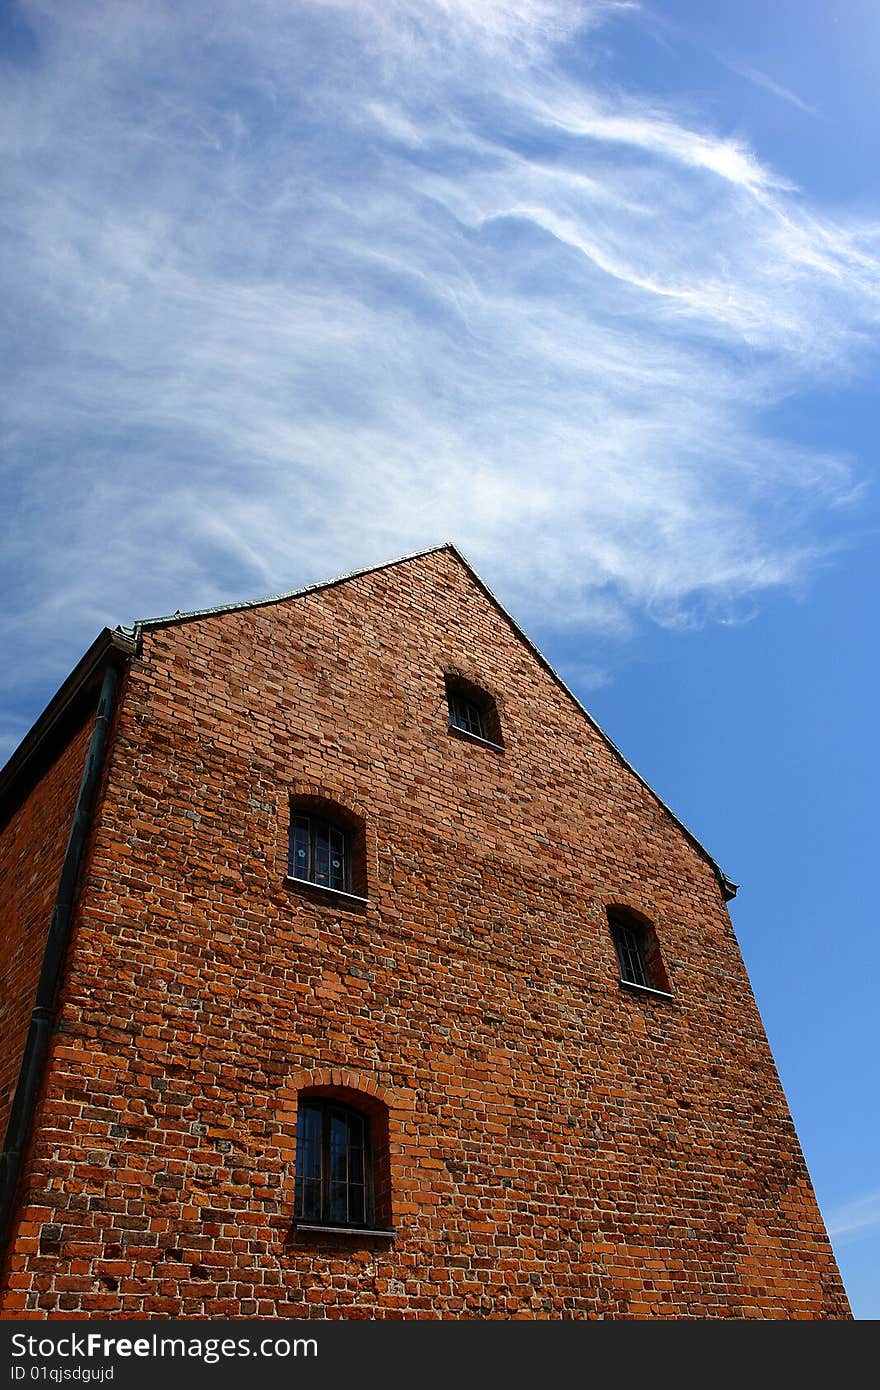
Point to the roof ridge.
(728, 887)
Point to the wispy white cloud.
(776, 89)
(855, 1218)
(297, 288)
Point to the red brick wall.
(558, 1147)
(32, 845)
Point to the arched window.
(326, 846)
(342, 1163)
(472, 711)
(638, 951)
(333, 1165)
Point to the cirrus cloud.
(298, 288)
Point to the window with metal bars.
(334, 1178)
(472, 711)
(638, 951)
(319, 852)
(630, 953)
(466, 714)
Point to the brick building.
(371, 981)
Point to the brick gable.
(557, 1146)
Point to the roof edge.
(147, 624)
(109, 646)
(728, 887)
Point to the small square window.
(472, 711)
(319, 853)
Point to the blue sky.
(591, 289)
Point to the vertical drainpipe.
(33, 1062)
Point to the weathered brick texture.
(558, 1147)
